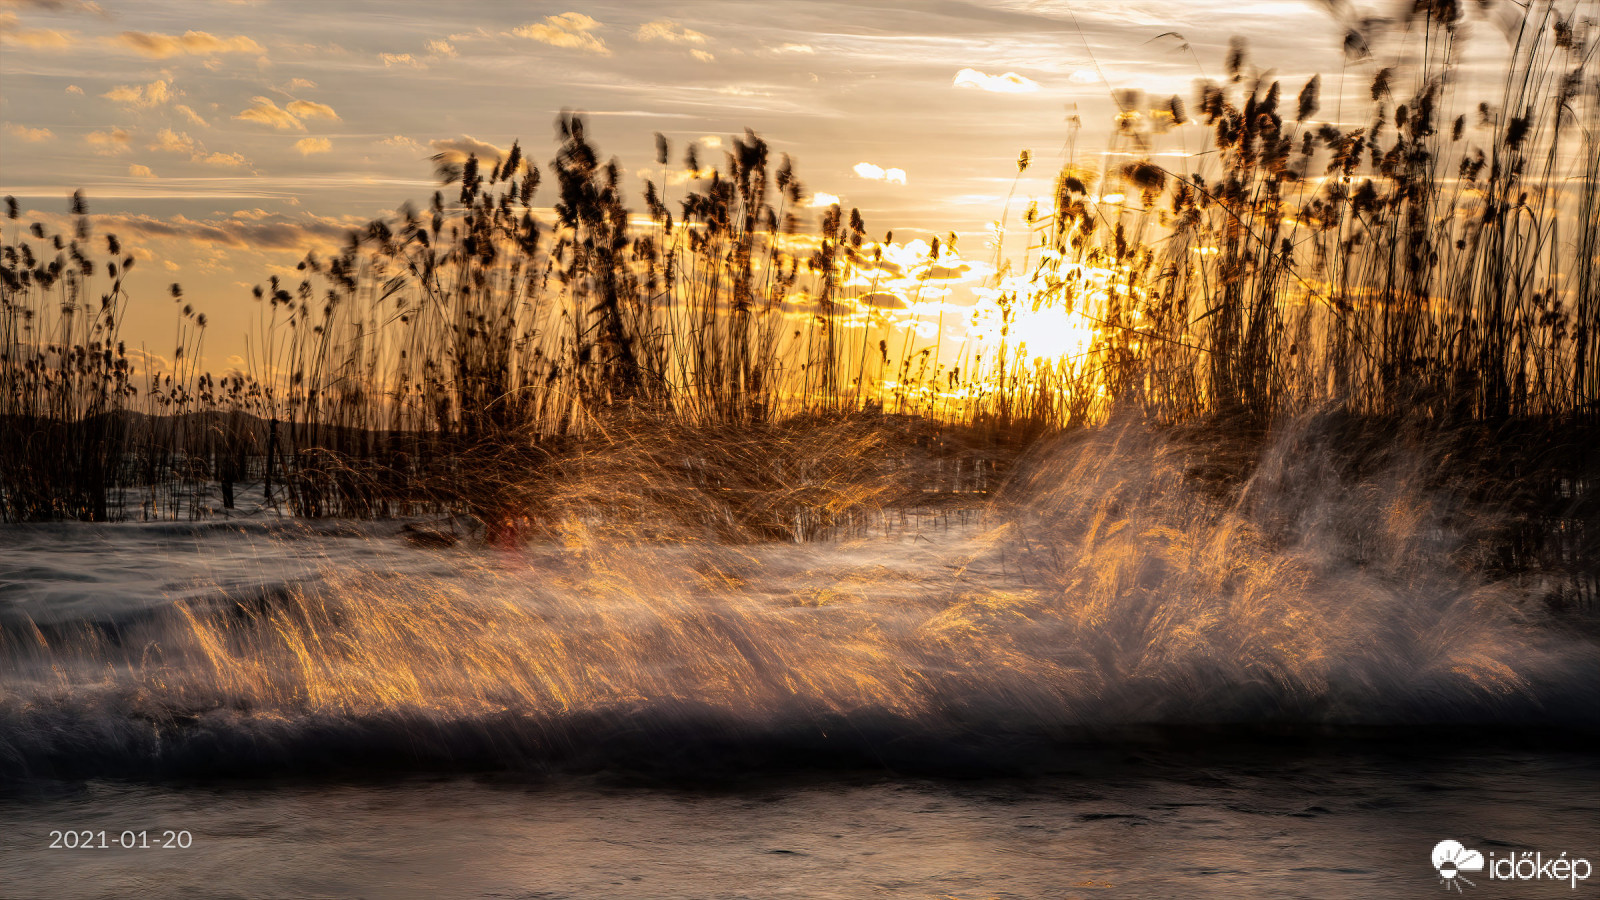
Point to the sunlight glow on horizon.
(323, 124)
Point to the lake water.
(1140, 821)
(1121, 687)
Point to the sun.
(1040, 321)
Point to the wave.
(1116, 592)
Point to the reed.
(1440, 259)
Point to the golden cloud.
(33, 38)
(140, 96)
(882, 300)
(390, 60)
(108, 143)
(191, 115)
(267, 113)
(190, 43)
(308, 109)
(173, 142)
(401, 141)
(139, 171)
(669, 33)
(31, 135)
(1009, 83)
(457, 150)
(308, 146)
(59, 6)
(878, 173)
(225, 160)
(271, 232)
(570, 29)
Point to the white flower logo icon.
(1450, 858)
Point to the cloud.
(309, 109)
(882, 300)
(823, 199)
(1009, 83)
(685, 176)
(31, 135)
(401, 141)
(458, 149)
(878, 173)
(190, 43)
(58, 6)
(666, 32)
(271, 232)
(308, 146)
(702, 55)
(299, 84)
(140, 96)
(191, 115)
(267, 113)
(569, 29)
(795, 48)
(441, 48)
(139, 171)
(74, 89)
(225, 160)
(390, 60)
(173, 142)
(34, 38)
(108, 143)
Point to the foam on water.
(1115, 591)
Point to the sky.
(222, 139)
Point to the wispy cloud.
(268, 113)
(108, 143)
(271, 231)
(308, 146)
(11, 32)
(31, 135)
(401, 141)
(190, 43)
(570, 29)
(310, 109)
(139, 171)
(1009, 83)
(391, 60)
(663, 31)
(879, 173)
(171, 141)
(441, 48)
(58, 6)
(191, 115)
(224, 160)
(458, 149)
(140, 96)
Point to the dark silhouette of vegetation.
(1439, 262)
